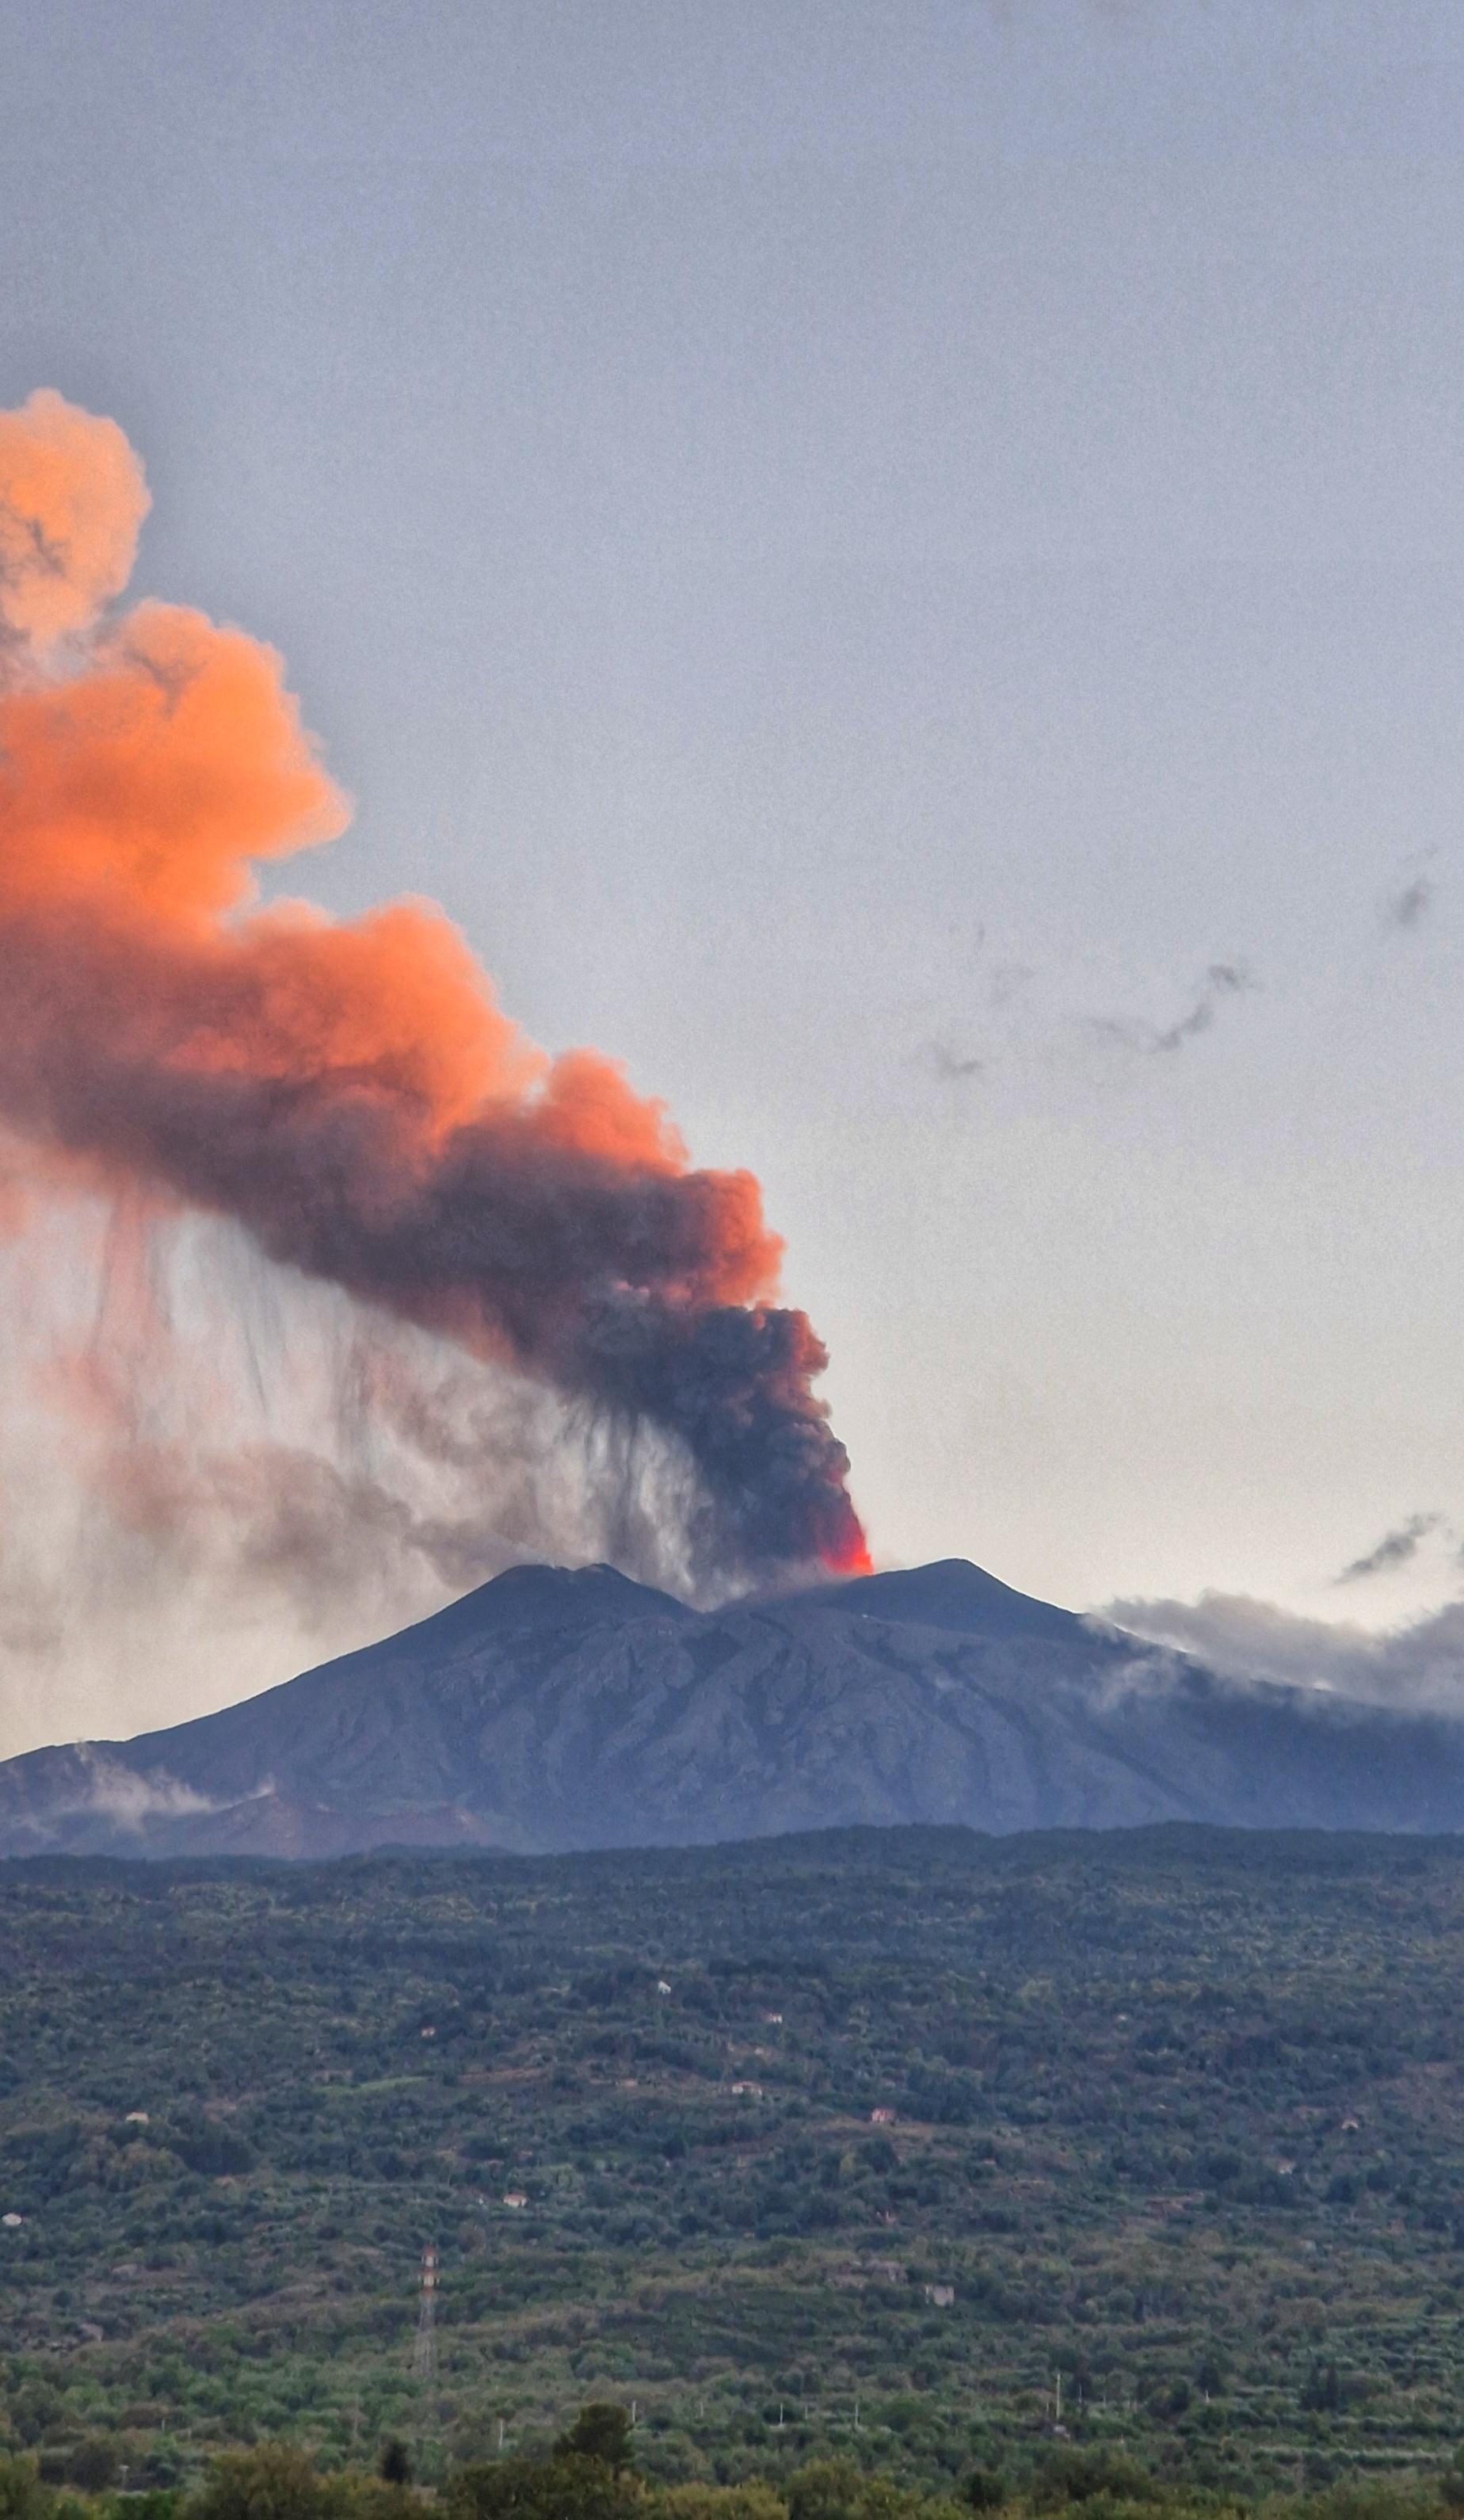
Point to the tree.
(566, 2487)
(834, 2489)
(598, 2431)
(1079, 2475)
(22, 2496)
(394, 2466)
(94, 2463)
(271, 2483)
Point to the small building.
(663, 1986)
(881, 2117)
(515, 2199)
(12, 2222)
(774, 2016)
(748, 2091)
(940, 2295)
(137, 2117)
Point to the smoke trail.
(350, 1093)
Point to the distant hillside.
(1173, 2111)
(555, 1710)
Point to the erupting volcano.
(350, 1092)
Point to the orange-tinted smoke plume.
(350, 1092)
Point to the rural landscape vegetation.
(1055, 2166)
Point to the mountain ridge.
(554, 1709)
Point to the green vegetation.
(953, 2158)
(276, 2482)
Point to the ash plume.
(349, 1094)
(194, 1444)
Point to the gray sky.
(900, 567)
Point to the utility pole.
(424, 2351)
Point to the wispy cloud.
(1395, 1549)
(1409, 905)
(955, 1066)
(1222, 980)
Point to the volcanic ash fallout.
(349, 1094)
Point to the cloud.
(1410, 903)
(1406, 908)
(1416, 1666)
(1222, 980)
(1395, 1549)
(953, 1066)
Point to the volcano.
(555, 1709)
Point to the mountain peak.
(562, 1707)
(951, 1594)
(535, 1596)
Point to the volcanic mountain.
(555, 1709)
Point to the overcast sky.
(901, 568)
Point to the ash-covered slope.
(555, 1710)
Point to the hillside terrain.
(853, 2141)
(555, 1710)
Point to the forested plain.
(927, 2151)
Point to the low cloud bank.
(1416, 1666)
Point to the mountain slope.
(554, 1709)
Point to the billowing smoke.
(349, 1094)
